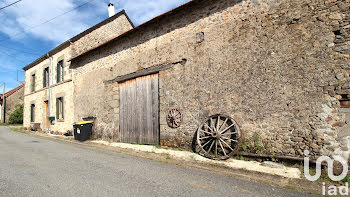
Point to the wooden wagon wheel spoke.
(230, 133)
(222, 148)
(205, 124)
(229, 139)
(211, 146)
(226, 144)
(219, 137)
(205, 132)
(212, 124)
(217, 124)
(223, 124)
(222, 132)
(207, 142)
(204, 137)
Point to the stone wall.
(13, 101)
(335, 121)
(277, 67)
(102, 34)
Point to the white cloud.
(28, 13)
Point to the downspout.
(49, 93)
(3, 106)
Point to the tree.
(17, 116)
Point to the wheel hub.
(215, 135)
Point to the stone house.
(48, 92)
(13, 98)
(279, 68)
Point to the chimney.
(111, 10)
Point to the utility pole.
(1, 113)
(3, 104)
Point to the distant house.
(13, 98)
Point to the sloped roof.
(75, 38)
(9, 93)
(142, 26)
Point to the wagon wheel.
(174, 118)
(219, 137)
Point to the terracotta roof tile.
(9, 93)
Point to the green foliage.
(244, 145)
(158, 146)
(258, 145)
(240, 157)
(17, 116)
(274, 159)
(346, 179)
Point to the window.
(32, 113)
(33, 82)
(60, 71)
(59, 108)
(46, 77)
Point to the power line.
(10, 4)
(19, 50)
(3, 52)
(35, 26)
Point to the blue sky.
(23, 41)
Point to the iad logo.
(330, 167)
(332, 190)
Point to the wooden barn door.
(139, 110)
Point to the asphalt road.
(34, 166)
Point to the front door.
(46, 107)
(139, 110)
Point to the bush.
(17, 116)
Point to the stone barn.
(13, 99)
(278, 68)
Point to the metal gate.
(139, 110)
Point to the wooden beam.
(144, 72)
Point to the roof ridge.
(78, 36)
(9, 93)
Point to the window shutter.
(57, 109)
(33, 83)
(44, 78)
(48, 76)
(58, 72)
(31, 113)
(62, 102)
(62, 71)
